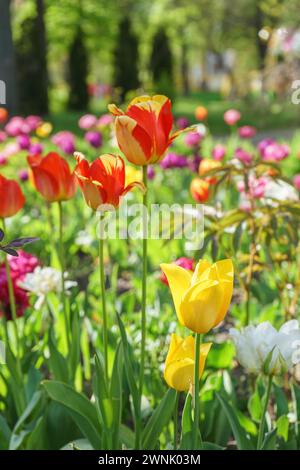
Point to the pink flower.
(65, 141)
(11, 149)
(3, 136)
(296, 181)
(276, 152)
(25, 263)
(3, 159)
(150, 172)
(23, 141)
(105, 120)
(16, 126)
(192, 139)
(33, 122)
(94, 138)
(232, 116)
(244, 156)
(182, 123)
(256, 187)
(35, 148)
(218, 152)
(186, 263)
(23, 175)
(247, 132)
(87, 121)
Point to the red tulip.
(103, 181)
(52, 177)
(144, 131)
(11, 197)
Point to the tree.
(161, 63)
(32, 74)
(77, 71)
(7, 56)
(126, 59)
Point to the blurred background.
(66, 57)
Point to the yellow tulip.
(132, 174)
(201, 298)
(180, 362)
(44, 129)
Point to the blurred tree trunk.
(7, 58)
(184, 69)
(40, 10)
(261, 45)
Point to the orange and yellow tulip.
(144, 131)
(180, 362)
(103, 181)
(52, 177)
(207, 165)
(201, 298)
(11, 197)
(199, 190)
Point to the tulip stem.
(176, 409)
(196, 431)
(263, 416)
(63, 267)
(143, 306)
(13, 310)
(104, 314)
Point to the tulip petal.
(200, 268)
(200, 306)
(134, 142)
(179, 281)
(11, 197)
(180, 374)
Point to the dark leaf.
(18, 242)
(1, 235)
(9, 251)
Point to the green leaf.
(5, 434)
(116, 394)
(246, 423)
(126, 436)
(269, 442)
(255, 406)
(187, 425)
(282, 425)
(103, 402)
(243, 443)
(74, 355)
(19, 433)
(159, 418)
(129, 370)
(78, 444)
(81, 409)
(282, 406)
(211, 446)
(57, 363)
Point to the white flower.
(44, 280)
(281, 191)
(264, 349)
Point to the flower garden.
(113, 343)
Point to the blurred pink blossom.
(87, 121)
(218, 152)
(232, 116)
(247, 132)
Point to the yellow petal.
(179, 281)
(201, 267)
(131, 148)
(201, 305)
(204, 350)
(179, 374)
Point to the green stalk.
(196, 428)
(63, 267)
(143, 308)
(104, 313)
(176, 420)
(13, 309)
(12, 302)
(263, 416)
